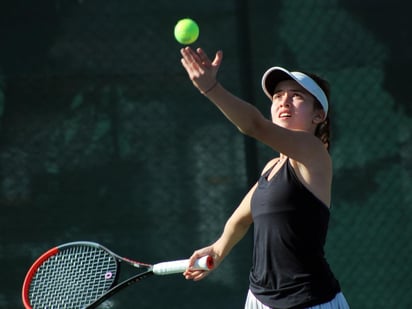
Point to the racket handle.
(179, 266)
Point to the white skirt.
(339, 302)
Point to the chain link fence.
(103, 138)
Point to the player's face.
(293, 107)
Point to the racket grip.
(179, 266)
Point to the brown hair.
(323, 130)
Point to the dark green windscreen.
(103, 137)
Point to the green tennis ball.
(186, 31)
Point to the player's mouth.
(285, 115)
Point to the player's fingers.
(190, 55)
(193, 70)
(200, 276)
(187, 58)
(195, 275)
(203, 57)
(218, 58)
(186, 65)
(199, 254)
(195, 256)
(189, 274)
(191, 64)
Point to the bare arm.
(203, 73)
(310, 157)
(235, 229)
(301, 146)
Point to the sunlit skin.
(293, 107)
(290, 132)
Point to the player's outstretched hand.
(201, 70)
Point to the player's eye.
(297, 96)
(277, 95)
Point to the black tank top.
(290, 225)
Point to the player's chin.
(286, 123)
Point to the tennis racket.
(83, 274)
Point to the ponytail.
(323, 130)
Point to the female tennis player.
(289, 204)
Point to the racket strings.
(73, 278)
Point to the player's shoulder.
(270, 164)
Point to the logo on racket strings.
(108, 275)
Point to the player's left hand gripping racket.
(80, 275)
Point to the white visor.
(277, 74)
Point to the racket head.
(71, 275)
